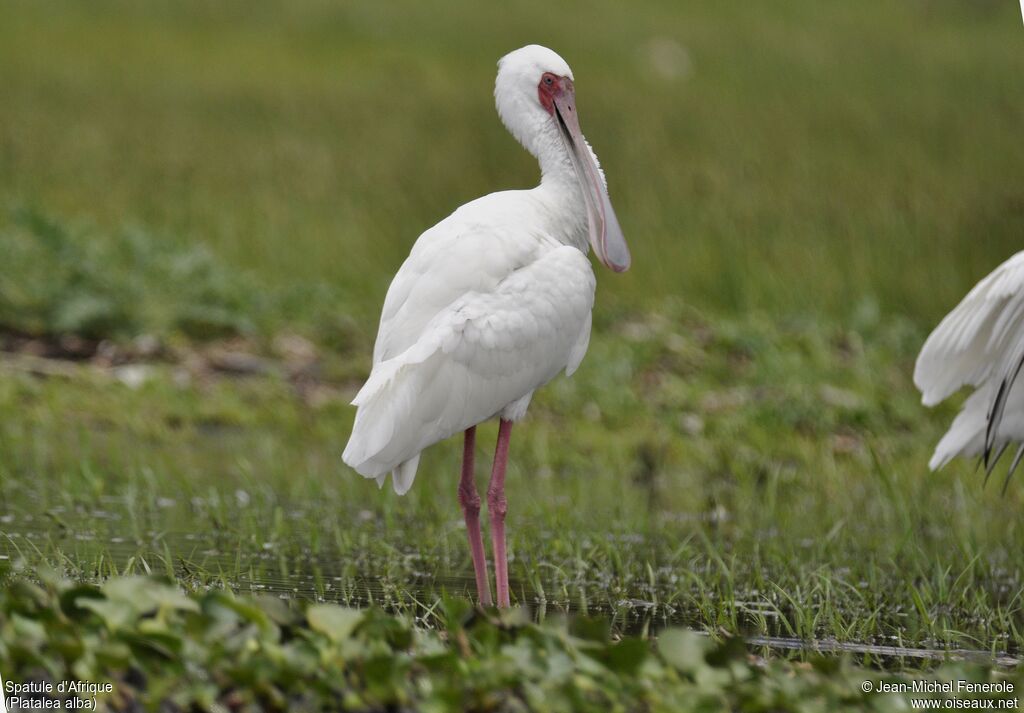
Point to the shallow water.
(82, 540)
(782, 644)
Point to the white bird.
(492, 303)
(980, 344)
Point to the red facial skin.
(549, 87)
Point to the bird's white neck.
(560, 193)
(563, 211)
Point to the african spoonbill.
(492, 303)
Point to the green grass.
(807, 188)
(741, 475)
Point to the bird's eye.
(548, 80)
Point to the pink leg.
(497, 506)
(469, 499)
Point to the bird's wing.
(477, 355)
(976, 432)
(980, 344)
(457, 256)
(978, 340)
(966, 435)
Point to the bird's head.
(536, 100)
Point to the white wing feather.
(487, 348)
(448, 261)
(978, 344)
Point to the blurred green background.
(787, 156)
(190, 191)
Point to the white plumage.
(495, 300)
(979, 344)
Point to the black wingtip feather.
(995, 414)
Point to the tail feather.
(380, 404)
(404, 474)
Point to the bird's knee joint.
(470, 500)
(497, 505)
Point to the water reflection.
(83, 540)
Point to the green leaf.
(683, 649)
(337, 623)
(143, 594)
(114, 614)
(69, 600)
(626, 656)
